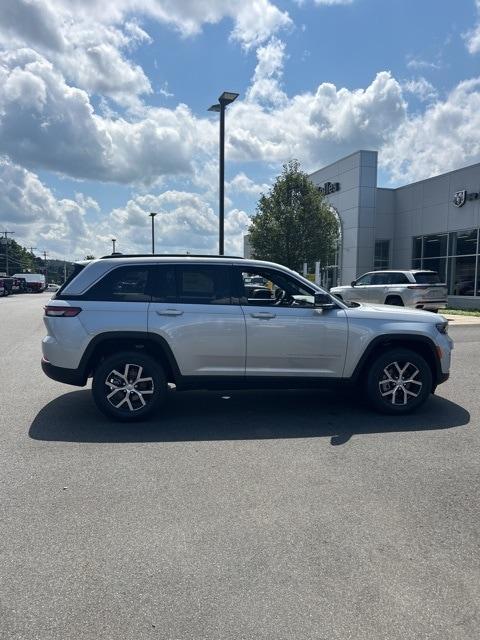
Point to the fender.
(390, 340)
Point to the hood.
(390, 312)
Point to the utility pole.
(6, 234)
(46, 268)
(32, 249)
(64, 269)
(114, 240)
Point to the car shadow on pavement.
(239, 415)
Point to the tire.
(395, 301)
(383, 376)
(126, 406)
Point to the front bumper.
(61, 374)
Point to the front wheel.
(129, 386)
(399, 381)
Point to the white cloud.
(419, 63)
(318, 127)
(472, 37)
(265, 87)
(242, 184)
(44, 123)
(422, 88)
(185, 222)
(42, 21)
(446, 136)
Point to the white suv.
(418, 289)
(137, 323)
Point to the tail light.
(62, 312)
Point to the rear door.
(193, 310)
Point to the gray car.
(417, 289)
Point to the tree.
(89, 257)
(293, 223)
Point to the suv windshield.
(427, 277)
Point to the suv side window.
(380, 278)
(366, 279)
(199, 284)
(122, 284)
(267, 287)
(163, 283)
(398, 278)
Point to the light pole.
(152, 214)
(113, 245)
(224, 100)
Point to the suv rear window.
(123, 284)
(426, 277)
(76, 270)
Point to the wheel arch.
(109, 343)
(422, 345)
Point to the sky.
(103, 109)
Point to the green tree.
(19, 259)
(293, 223)
(89, 257)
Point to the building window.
(455, 257)
(382, 255)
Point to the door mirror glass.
(324, 301)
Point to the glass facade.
(382, 255)
(455, 256)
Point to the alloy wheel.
(399, 383)
(131, 390)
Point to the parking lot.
(245, 515)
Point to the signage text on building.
(329, 187)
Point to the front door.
(286, 334)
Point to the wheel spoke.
(122, 390)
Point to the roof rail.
(167, 255)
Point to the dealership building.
(430, 224)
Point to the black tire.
(130, 400)
(396, 301)
(388, 365)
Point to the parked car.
(52, 287)
(35, 281)
(3, 291)
(190, 321)
(417, 289)
(8, 285)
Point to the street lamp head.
(152, 214)
(215, 107)
(227, 97)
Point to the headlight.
(442, 327)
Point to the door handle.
(263, 315)
(169, 312)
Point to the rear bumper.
(74, 377)
(431, 304)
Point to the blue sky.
(103, 108)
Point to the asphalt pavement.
(234, 516)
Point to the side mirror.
(353, 283)
(323, 301)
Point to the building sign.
(461, 197)
(329, 188)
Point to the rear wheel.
(399, 381)
(129, 386)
